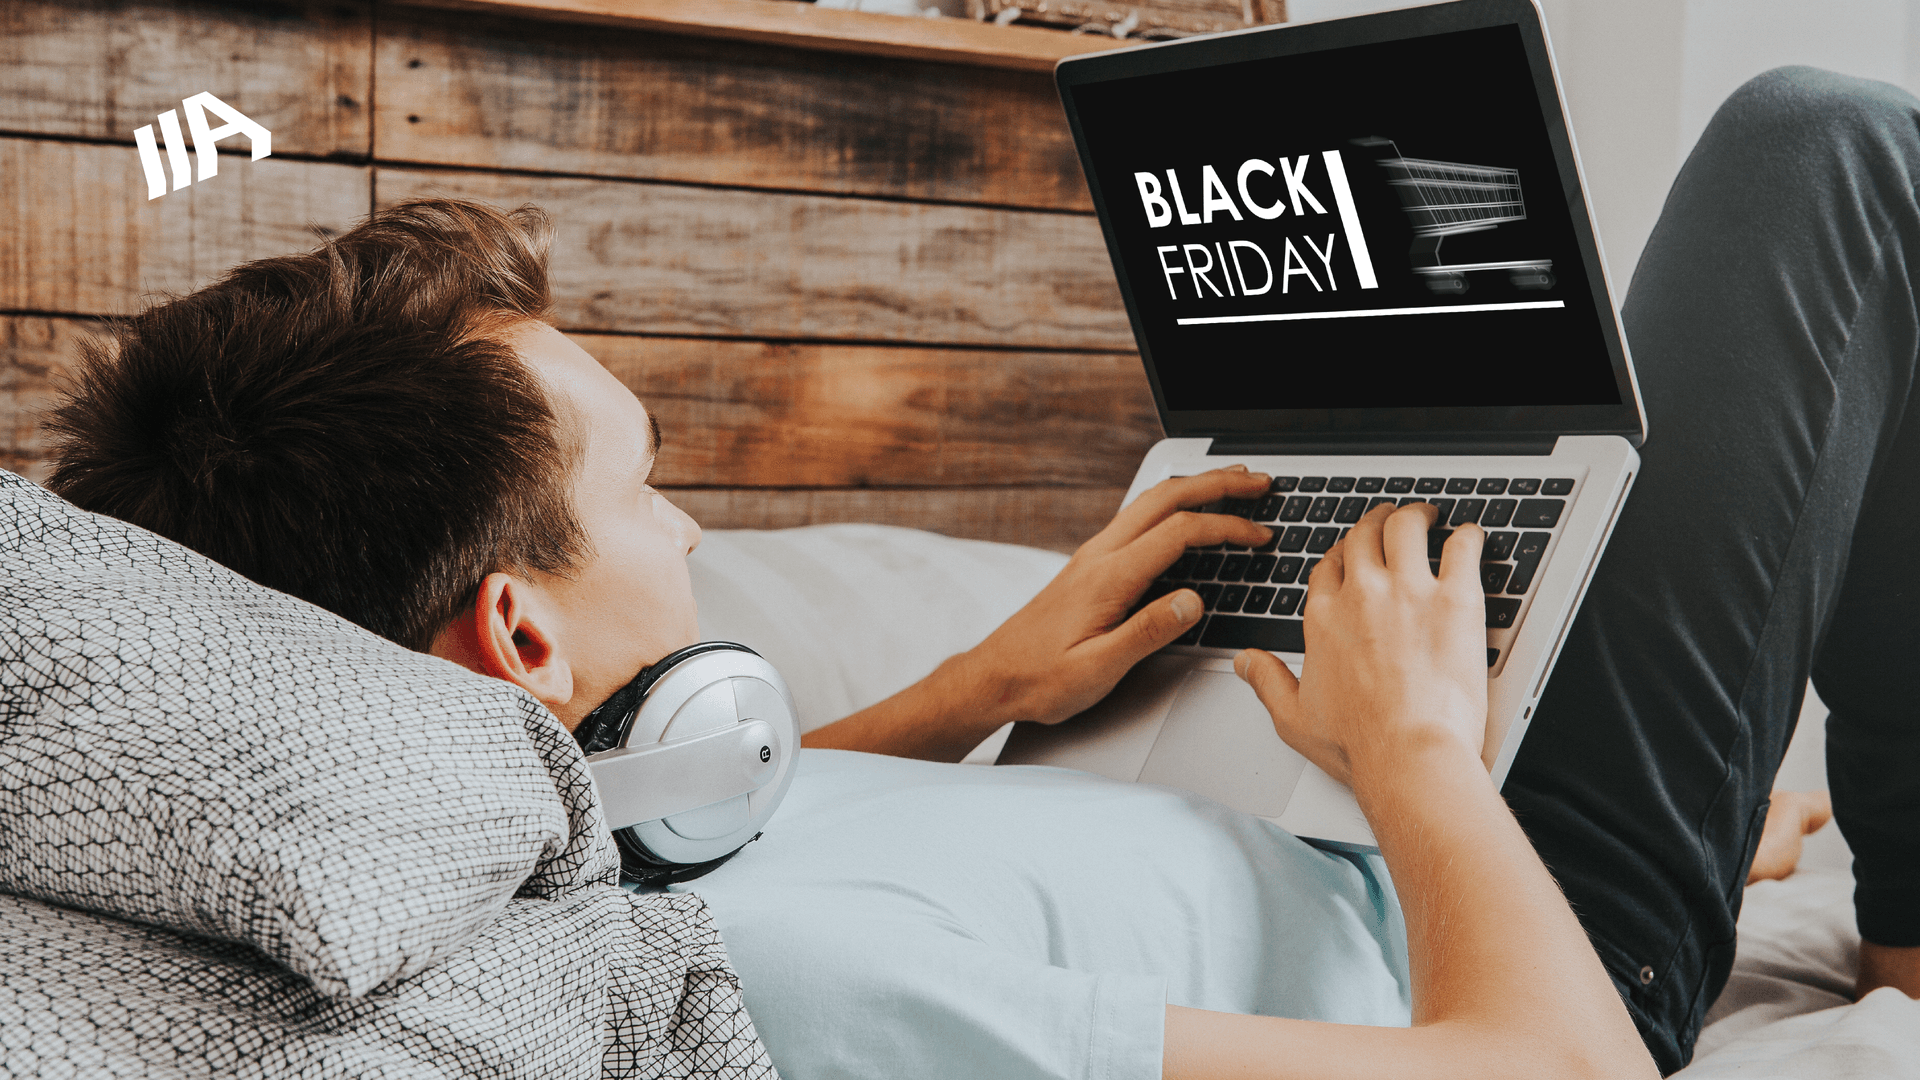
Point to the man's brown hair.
(347, 425)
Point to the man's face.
(631, 602)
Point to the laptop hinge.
(1513, 446)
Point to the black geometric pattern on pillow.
(603, 983)
(364, 854)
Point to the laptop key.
(1323, 510)
(1430, 485)
(1399, 485)
(1283, 484)
(1296, 538)
(1207, 565)
(1272, 541)
(1436, 540)
(1499, 546)
(1288, 601)
(1501, 611)
(1411, 499)
(1181, 567)
(1242, 632)
(1259, 568)
(1491, 485)
(1352, 509)
(1270, 508)
(1209, 593)
(1313, 483)
(1499, 513)
(1538, 513)
(1287, 570)
(1557, 487)
(1468, 510)
(1323, 541)
(1445, 506)
(1231, 598)
(1526, 561)
(1306, 571)
(1461, 485)
(1340, 485)
(1370, 484)
(1379, 500)
(1493, 577)
(1258, 598)
(1524, 487)
(1296, 508)
(1234, 568)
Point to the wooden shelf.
(802, 25)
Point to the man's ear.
(511, 633)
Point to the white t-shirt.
(912, 919)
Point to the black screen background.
(1466, 97)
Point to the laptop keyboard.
(1257, 597)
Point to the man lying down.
(386, 427)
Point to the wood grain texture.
(98, 69)
(1057, 518)
(35, 353)
(758, 414)
(511, 94)
(666, 259)
(804, 25)
(84, 240)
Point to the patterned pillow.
(187, 749)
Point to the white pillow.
(852, 614)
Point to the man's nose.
(688, 528)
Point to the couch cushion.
(188, 749)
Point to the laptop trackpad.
(1218, 741)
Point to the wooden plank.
(84, 240)
(665, 259)
(1057, 518)
(511, 94)
(34, 354)
(802, 25)
(758, 414)
(98, 69)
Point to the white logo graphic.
(204, 138)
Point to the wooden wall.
(853, 288)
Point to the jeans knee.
(1802, 106)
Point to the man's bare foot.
(1793, 816)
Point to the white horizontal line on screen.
(1364, 313)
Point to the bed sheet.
(853, 613)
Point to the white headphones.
(691, 758)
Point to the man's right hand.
(1392, 651)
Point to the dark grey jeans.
(1774, 532)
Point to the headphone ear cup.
(705, 758)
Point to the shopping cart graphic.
(1445, 198)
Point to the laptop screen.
(1364, 236)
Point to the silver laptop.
(1357, 257)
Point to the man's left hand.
(1068, 647)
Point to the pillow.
(852, 614)
(191, 750)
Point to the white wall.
(1642, 77)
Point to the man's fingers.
(1271, 680)
(1461, 555)
(1363, 543)
(1170, 496)
(1405, 540)
(1151, 628)
(1144, 558)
